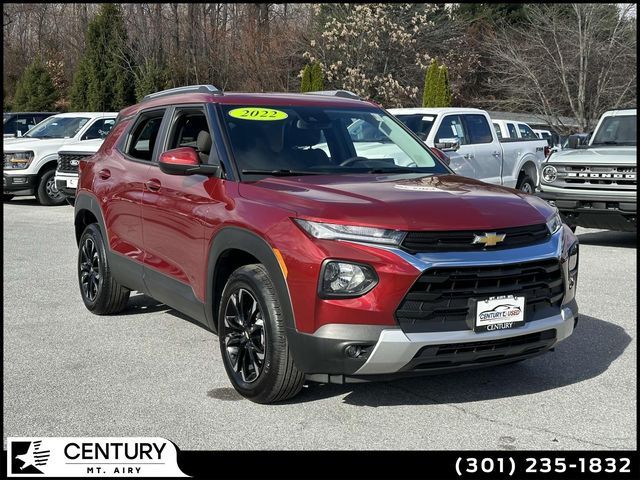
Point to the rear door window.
(496, 126)
(144, 134)
(526, 132)
(478, 129)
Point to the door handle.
(496, 154)
(153, 185)
(468, 156)
(104, 174)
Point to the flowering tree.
(377, 50)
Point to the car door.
(176, 209)
(487, 150)
(119, 180)
(451, 127)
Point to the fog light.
(19, 180)
(357, 351)
(345, 279)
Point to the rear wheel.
(101, 293)
(252, 337)
(526, 184)
(47, 193)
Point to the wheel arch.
(232, 248)
(529, 167)
(87, 211)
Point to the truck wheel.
(101, 293)
(6, 198)
(525, 184)
(253, 341)
(47, 192)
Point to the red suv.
(319, 238)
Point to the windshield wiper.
(394, 170)
(280, 173)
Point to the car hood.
(22, 144)
(401, 201)
(595, 155)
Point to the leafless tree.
(567, 59)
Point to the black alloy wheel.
(244, 335)
(90, 270)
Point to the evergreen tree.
(317, 78)
(443, 94)
(428, 96)
(105, 80)
(152, 77)
(305, 84)
(35, 90)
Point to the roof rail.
(336, 93)
(188, 89)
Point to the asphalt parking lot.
(148, 372)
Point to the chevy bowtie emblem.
(489, 239)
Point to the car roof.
(613, 113)
(433, 111)
(253, 99)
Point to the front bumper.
(611, 211)
(18, 184)
(388, 350)
(67, 183)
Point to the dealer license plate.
(72, 182)
(499, 313)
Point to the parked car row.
(31, 160)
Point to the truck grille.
(442, 298)
(601, 177)
(463, 240)
(68, 162)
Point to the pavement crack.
(499, 422)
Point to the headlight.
(554, 223)
(17, 160)
(573, 257)
(345, 279)
(330, 231)
(549, 174)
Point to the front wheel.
(101, 293)
(47, 193)
(526, 184)
(253, 341)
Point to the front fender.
(235, 238)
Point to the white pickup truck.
(69, 157)
(30, 161)
(479, 152)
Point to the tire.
(526, 184)
(242, 337)
(47, 193)
(6, 198)
(100, 292)
(71, 201)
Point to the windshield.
(419, 124)
(297, 140)
(57, 127)
(618, 130)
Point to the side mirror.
(574, 141)
(448, 144)
(441, 155)
(185, 161)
